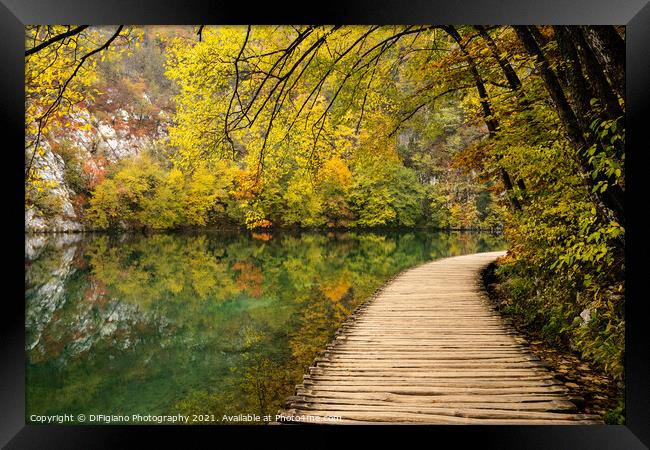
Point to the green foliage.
(334, 183)
(616, 416)
(44, 201)
(206, 193)
(303, 203)
(438, 208)
(141, 193)
(607, 163)
(386, 194)
(74, 176)
(565, 259)
(320, 164)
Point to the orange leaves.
(262, 236)
(473, 157)
(95, 171)
(336, 290)
(264, 223)
(247, 184)
(79, 202)
(249, 279)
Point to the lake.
(204, 323)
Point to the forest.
(515, 129)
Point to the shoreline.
(189, 230)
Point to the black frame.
(635, 14)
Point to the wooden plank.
(547, 405)
(465, 411)
(494, 370)
(440, 358)
(393, 417)
(443, 398)
(463, 382)
(437, 390)
(451, 381)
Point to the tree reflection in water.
(200, 323)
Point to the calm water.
(207, 323)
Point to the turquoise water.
(202, 324)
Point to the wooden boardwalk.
(430, 349)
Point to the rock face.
(97, 143)
(116, 143)
(51, 169)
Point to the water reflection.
(204, 323)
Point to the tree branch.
(56, 38)
(42, 120)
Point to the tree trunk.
(511, 76)
(490, 120)
(564, 111)
(609, 49)
(513, 80)
(600, 85)
(596, 74)
(609, 203)
(576, 85)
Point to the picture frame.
(635, 14)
